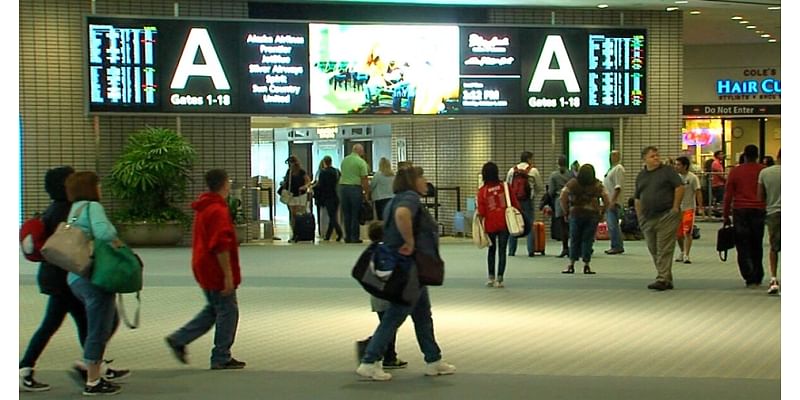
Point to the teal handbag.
(116, 270)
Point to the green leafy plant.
(151, 175)
(236, 210)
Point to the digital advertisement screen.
(382, 69)
(277, 68)
(489, 67)
(589, 146)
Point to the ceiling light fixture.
(744, 22)
(766, 35)
(681, 1)
(694, 12)
(669, 9)
(759, 32)
(772, 40)
(774, 8)
(750, 27)
(736, 18)
(602, 6)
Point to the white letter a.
(554, 46)
(199, 40)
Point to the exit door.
(367, 144)
(303, 153)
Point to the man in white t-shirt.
(692, 196)
(613, 184)
(769, 189)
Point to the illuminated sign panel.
(262, 68)
(122, 66)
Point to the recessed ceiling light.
(694, 12)
(681, 1)
(736, 18)
(774, 8)
(744, 22)
(772, 40)
(602, 6)
(759, 31)
(750, 27)
(766, 35)
(672, 9)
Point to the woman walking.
(381, 187)
(408, 229)
(583, 193)
(492, 206)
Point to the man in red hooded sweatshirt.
(215, 264)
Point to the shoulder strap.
(505, 191)
(78, 212)
(121, 309)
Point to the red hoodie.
(492, 206)
(212, 234)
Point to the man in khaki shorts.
(769, 189)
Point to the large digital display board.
(275, 68)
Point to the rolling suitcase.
(304, 227)
(539, 238)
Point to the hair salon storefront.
(729, 102)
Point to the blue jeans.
(101, 318)
(351, 206)
(392, 319)
(499, 243)
(58, 306)
(581, 237)
(222, 312)
(614, 232)
(527, 211)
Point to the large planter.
(151, 234)
(241, 232)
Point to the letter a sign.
(199, 41)
(554, 47)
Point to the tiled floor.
(545, 336)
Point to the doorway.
(367, 144)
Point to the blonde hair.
(385, 167)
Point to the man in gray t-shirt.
(769, 189)
(657, 199)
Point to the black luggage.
(304, 227)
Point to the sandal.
(570, 270)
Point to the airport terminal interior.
(444, 86)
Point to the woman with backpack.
(581, 205)
(52, 282)
(491, 204)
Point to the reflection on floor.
(545, 336)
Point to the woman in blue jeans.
(580, 201)
(83, 190)
(409, 228)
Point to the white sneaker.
(499, 284)
(490, 283)
(439, 368)
(28, 384)
(679, 258)
(373, 371)
(774, 288)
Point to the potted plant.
(150, 176)
(237, 216)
